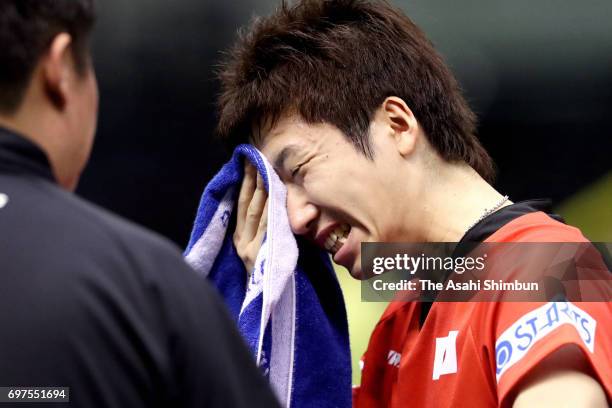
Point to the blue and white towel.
(291, 311)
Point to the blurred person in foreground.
(87, 300)
(368, 129)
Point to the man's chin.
(356, 273)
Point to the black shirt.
(92, 302)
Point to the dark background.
(539, 76)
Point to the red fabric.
(531, 331)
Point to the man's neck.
(35, 130)
(40, 129)
(456, 200)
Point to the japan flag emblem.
(445, 359)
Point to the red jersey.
(474, 354)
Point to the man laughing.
(368, 129)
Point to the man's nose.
(302, 214)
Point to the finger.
(263, 224)
(255, 210)
(246, 193)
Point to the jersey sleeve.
(527, 333)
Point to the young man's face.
(337, 197)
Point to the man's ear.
(57, 66)
(403, 123)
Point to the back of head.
(26, 29)
(336, 61)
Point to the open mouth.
(337, 238)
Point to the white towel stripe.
(204, 252)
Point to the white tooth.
(334, 235)
(329, 243)
(342, 239)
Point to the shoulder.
(537, 227)
(53, 235)
(528, 334)
(48, 216)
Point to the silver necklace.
(489, 211)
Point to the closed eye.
(296, 170)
